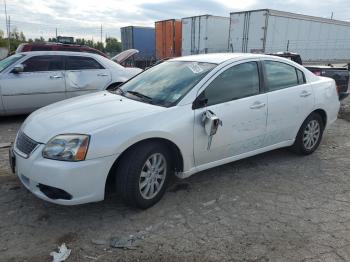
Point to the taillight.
(318, 73)
(337, 89)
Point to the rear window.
(82, 63)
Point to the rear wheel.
(143, 173)
(310, 135)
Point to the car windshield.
(166, 83)
(5, 63)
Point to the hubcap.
(152, 176)
(311, 134)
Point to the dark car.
(28, 47)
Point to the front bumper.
(53, 180)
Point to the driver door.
(234, 97)
(41, 83)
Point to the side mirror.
(18, 69)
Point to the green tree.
(113, 46)
(99, 46)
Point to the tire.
(135, 170)
(306, 144)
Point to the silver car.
(32, 80)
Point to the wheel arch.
(175, 151)
(323, 115)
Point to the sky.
(83, 18)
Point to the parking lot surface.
(275, 206)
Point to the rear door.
(85, 75)
(41, 83)
(290, 101)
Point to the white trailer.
(316, 39)
(205, 34)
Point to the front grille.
(25, 144)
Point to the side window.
(236, 82)
(43, 63)
(280, 75)
(82, 63)
(301, 77)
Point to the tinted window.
(237, 82)
(81, 63)
(280, 75)
(301, 77)
(43, 63)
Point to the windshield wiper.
(142, 96)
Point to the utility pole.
(56, 35)
(101, 33)
(7, 27)
(332, 16)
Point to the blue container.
(140, 38)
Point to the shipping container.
(205, 34)
(316, 39)
(140, 38)
(168, 38)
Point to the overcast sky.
(83, 18)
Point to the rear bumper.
(64, 183)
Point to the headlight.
(67, 147)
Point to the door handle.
(257, 105)
(102, 74)
(305, 93)
(55, 77)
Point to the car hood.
(84, 115)
(123, 56)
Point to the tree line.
(111, 46)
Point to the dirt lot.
(273, 207)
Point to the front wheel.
(310, 135)
(143, 173)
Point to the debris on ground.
(124, 243)
(99, 242)
(5, 145)
(209, 203)
(62, 255)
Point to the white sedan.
(178, 118)
(32, 80)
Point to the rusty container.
(168, 38)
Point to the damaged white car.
(180, 117)
(32, 80)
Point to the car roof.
(60, 53)
(217, 58)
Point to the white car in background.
(180, 117)
(32, 80)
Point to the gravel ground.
(272, 207)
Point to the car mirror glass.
(18, 69)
